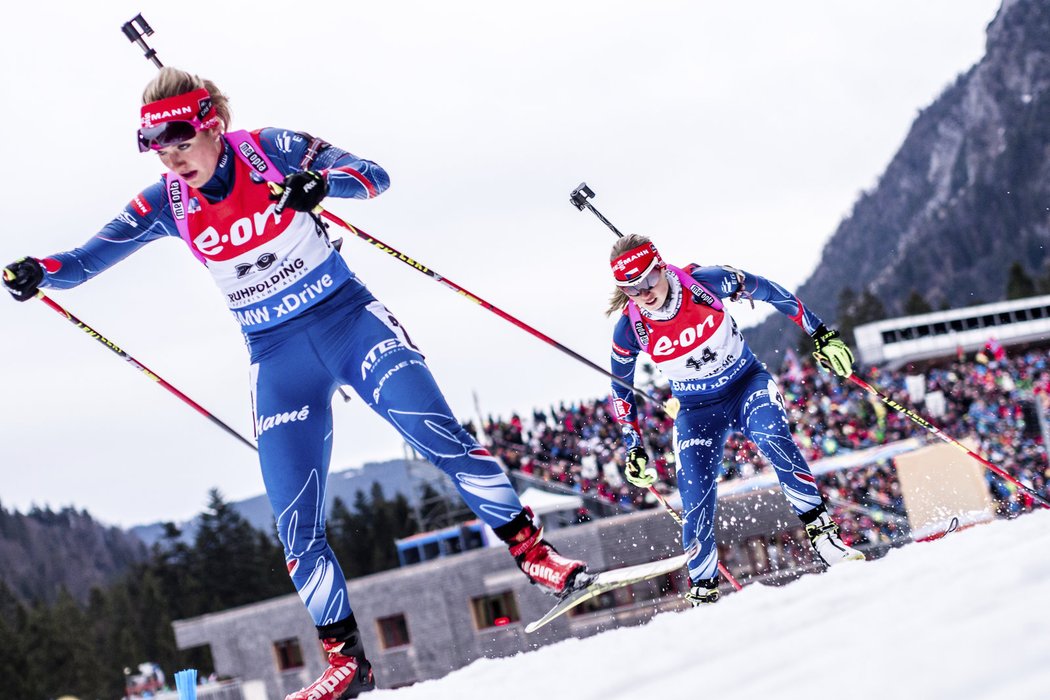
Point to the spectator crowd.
(993, 398)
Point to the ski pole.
(934, 430)
(141, 367)
(678, 519)
(579, 198)
(432, 274)
(136, 30)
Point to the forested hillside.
(127, 622)
(44, 551)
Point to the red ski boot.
(538, 559)
(348, 674)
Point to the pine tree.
(869, 308)
(99, 634)
(227, 559)
(154, 620)
(341, 538)
(1042, 283)
(364, 539)
(916, 304)
(73, 663)
(14, 643)
(1018, 284)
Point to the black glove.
(832, 353)
(301, 191)
(23, 277)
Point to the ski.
(610, 580)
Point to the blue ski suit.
(721, 386)
(310, 326)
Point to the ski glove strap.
(631, 436)
(832, 353)
(23, 277)
(302, 191)
(637, 469)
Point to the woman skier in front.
(310, 325)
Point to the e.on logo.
(687, 338)
(212, 243)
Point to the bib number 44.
(707, 356)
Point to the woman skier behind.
(718, 385)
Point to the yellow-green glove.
(637, 469)
(832, 353)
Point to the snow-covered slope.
(967, 616)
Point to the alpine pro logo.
(378, 351)
(127, 218)
(285, 141)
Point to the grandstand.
(894, 342)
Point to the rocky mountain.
(965, 197)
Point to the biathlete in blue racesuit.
(310, 326)
(717, 385)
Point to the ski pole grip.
(136, 29)
(130, 32)
(135, 33)
(580, 195)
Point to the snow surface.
(966, 616)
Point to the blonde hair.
(172, 81)
(619, 300)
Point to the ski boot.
(823, 534)
(539, 561)
(703, 592)
(348, 674)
